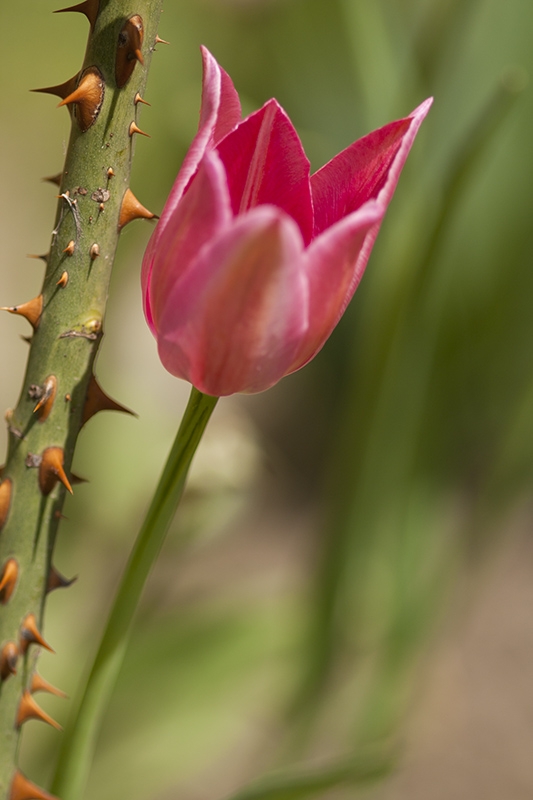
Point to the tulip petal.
(361, 171)
(220, 112)
(266, 164)
(334, 265)
(234, 321)
(202, 213)
(221, 108)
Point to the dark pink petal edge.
(334, 265)
(335, 238)
(220, 111)
(360, 172)
(266, 164)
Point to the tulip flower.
(254, 260)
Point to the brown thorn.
(77, 479)
(38, 684)
(159, 40)
(56, 580)
(51, 470)
(8, 660)
(62, 89)
(88, 97)
(97, 400)
(44, 257)
(46, 401)
(31, 310)
(129, 49)
(8, 580)
(134, 128)
(110, 172)
(94, 252)
(62, 282)
(6, 490)
(29, 634)
(30, 709)
(139, 99)
(23, 789)
(131, 209)
(56, 179)
(69, 249)
(89, 8)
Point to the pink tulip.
(254, 260)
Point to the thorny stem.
(80, 737)
(93, 184)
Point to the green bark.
(67, 337)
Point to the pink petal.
(221, 108)
(234, 321)
(360, 172)
(265, 163)
(220, 112)
(203, 212)
(334, 265)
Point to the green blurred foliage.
(295, 595)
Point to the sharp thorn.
(56, 580)
(55, 179)
(62, 89)
(31, 310)
(30, 709)
(51, 470)
(30, 634)
(39, 684)
(6, 490)
(134, 128)
(131, 209)
(129, 49)
(89, 8)
(47, 398)
(23, 789)
(139, 99)
(97, 400)
(8, 580)
(88, 97)
(8, 660)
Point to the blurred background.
(348, 585)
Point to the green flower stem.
(81, 734)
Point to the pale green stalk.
(81, 734)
